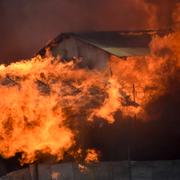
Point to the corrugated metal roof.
(121, 44)
(124, 52)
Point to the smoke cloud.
(164, 11)
(27, 25)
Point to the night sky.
(27, 25)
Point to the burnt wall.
(147, 170)
(91, 56)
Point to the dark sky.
(26, 25)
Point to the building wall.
(140, 170)
(92, 57)
(3, 168)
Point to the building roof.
(121, 44)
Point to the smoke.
(176, 17)
(26, 26)
(164, 11)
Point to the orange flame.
(92, 156)
(42, 98)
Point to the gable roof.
(120, 44)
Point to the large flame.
(43, 100)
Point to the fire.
(39, 96)
(143, 79)
(55, 175)
(112, 102)
(43, 99)
(92, 156)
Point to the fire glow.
(43, 99)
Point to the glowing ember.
(43, 100)
(82, 168)
(55, 175)
(92, 156)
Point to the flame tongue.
(39, 97)
(43, 100)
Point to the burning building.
(88, 96)
(96, 48)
